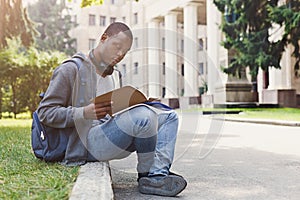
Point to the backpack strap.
(78, 59)
(75, 60)
(40, 128)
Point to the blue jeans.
(151, 135)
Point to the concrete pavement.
(250, 159)
(244, 161)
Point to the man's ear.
(103, 37)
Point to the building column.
(153, 59)
(213, 47)
(282, 78)
(288, 68)
(275, 81)
(171, 55)
(190, 50)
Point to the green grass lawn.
(22, 176)
(289, 114)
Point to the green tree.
(289, 16)
(53, 25)
(12, 61)
(14, 22)
(6, 105)
(86, 3)
(246, 28)
(40, 65)
(25, 73)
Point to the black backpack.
(48, 143)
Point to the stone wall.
(283, 97)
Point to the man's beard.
(108, 70)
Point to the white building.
(176, 50)
(283, 87)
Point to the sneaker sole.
(169, 186)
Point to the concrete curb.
(93, 182)
(264, 121)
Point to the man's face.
(114, 48)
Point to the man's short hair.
(117, 27)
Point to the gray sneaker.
(170, 185)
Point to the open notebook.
(124, 98)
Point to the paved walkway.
(233, 170)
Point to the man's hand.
(97, 111)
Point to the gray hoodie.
(68, 92)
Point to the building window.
(136, 42)
(163, 43)
(201, 68)
(92, 20)
(201, 43)
(136, 68)
(102, 21)
(112, 20)
(182, 69)
(163, 92)
(135, 18)
(182, 46)
(124, 70)
(92, 43)
(164, 68)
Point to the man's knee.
(140, 120)
(143, 112)
(173, 116)
(145, 120)
(170, 118)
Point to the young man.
(96, 136)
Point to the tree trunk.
(1, 94)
